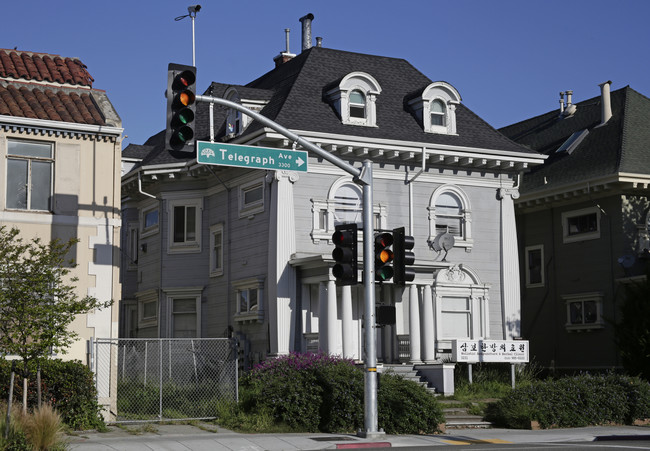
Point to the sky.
(508, 59)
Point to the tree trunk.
(38, 385)
(24, 395)
(11, 396)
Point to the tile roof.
(49, 87)
(43, 67)
(620, 146)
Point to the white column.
(511, 297)
(346, 318)
(282, 276)
(334, 344)
(428, 335)
(322, 316)
(414, 324)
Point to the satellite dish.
(627, 261)
(447, 241)
(436, 243)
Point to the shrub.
(317, 392)
(67, 385)
(405, 407)
(576, 401)
(43, 428)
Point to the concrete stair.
(409, 373)
(458, 417)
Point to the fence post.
(160, 412)
(146, 350)
(196, 374)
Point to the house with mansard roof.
(583, 224)
(244, 252)
(60, 142)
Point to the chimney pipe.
(319, 41)
(568, 98)
(286, 32)
(605, 102)
(561, 102)
(306, 31)
(285, 56)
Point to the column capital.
(512, 192)
(291, 176)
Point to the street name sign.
(250, 156)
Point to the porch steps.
(458, 417)
(409, 373)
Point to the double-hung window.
(450, 212)
(185, 225)
(249, 295)
(216, 250)
(357, 104)
(438, 113)
(534, 266)
(581, 225)
(183, 311)
(584, 311)
(29, 175)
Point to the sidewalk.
(204, 436)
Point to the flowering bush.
(576, 401)
(318, 392)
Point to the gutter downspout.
(410, 185)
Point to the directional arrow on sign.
(250, 156)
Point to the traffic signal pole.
(361, 177)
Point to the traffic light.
(403, 256)
(181, 106)
(383, 256)
(345, 254)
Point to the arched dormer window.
(354, 97)
(435, 108)
(235, 120)
(450, 212)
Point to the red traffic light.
(181, 99)
(345, 254)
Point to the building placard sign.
(473, 351)
(250, 156)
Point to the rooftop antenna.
(192, 10)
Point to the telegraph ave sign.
(250, 156)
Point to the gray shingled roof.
(622, 145)
(294, 92)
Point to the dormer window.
(357, 105)
(435, 108)
(234, 121)
(438, 112)
(353, 99)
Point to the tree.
(38, 298)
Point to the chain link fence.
(160, 379)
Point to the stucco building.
(60, 142)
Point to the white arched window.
(348, 204)
(343, 205)
(438, 112)
(357, 104)
(354, 97)
(450, 212)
